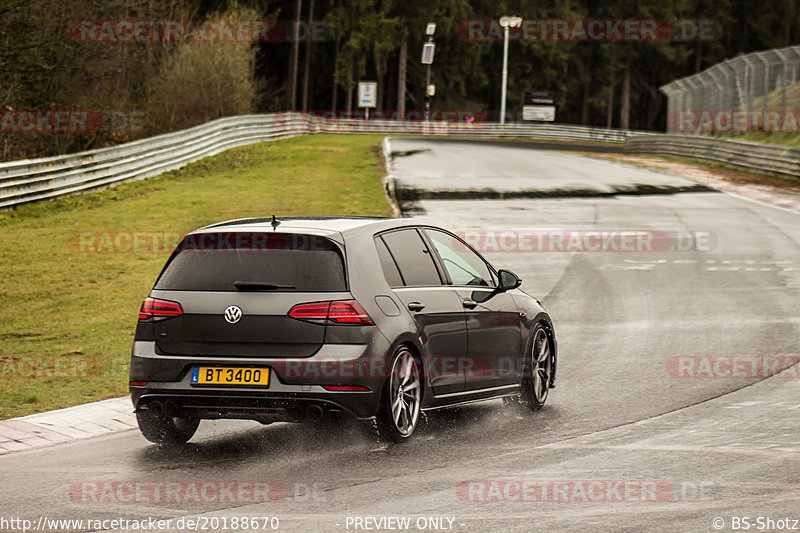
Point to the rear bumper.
(295, 391)
(261, 407)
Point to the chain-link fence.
(759, 91)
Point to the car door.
(435, 307)
(493, 321)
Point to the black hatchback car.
(299, 318)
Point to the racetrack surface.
(629, 440)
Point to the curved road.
(663, 418)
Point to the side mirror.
(508, 280)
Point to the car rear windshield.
(257, 261)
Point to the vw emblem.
(233, 314)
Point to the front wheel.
(400, 408)
(538, 371)
(165, 430)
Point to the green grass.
(780, 138)
(67, 316)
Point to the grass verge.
(68, 313)
(766, 137)
(703, 172)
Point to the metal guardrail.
(770, 159)
(39, 179)
(559, 132)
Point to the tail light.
(336, 312)
(155, 308)
(345, 388)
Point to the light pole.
(506, 22)
(428, 50)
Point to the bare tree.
(198, 82)
(625, 104)
(307, 65)
(401, 78)
(293, 65)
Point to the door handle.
(416, 306)
(469, 303)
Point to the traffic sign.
(545, 113)
(540, 98)
(367, 93)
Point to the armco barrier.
(29, 180)
(748, 156)
(38, 179)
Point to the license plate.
(217, 375)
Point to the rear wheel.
(165, 430)
(539, 370)
(400, 407)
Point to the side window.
(465, 267)
(390, 272)
(412, 257)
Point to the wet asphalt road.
(625, 443)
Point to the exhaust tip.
(156, 407)
(162, 408)
(314, 413)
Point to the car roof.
(319, 225)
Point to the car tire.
(538, 370)
(399, 412)
(164, 430)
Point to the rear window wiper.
(259, 286)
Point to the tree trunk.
(401, 79)
(585, 97)
(350, 81)
(585, 104)
(337, 46)
(610, 107)
(698, 59)
(295, 57)
(350, 90)
(379, 92)
(625, 103)
(307, 65)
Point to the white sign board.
(367, 93)
(427, 53)
(545, 113)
